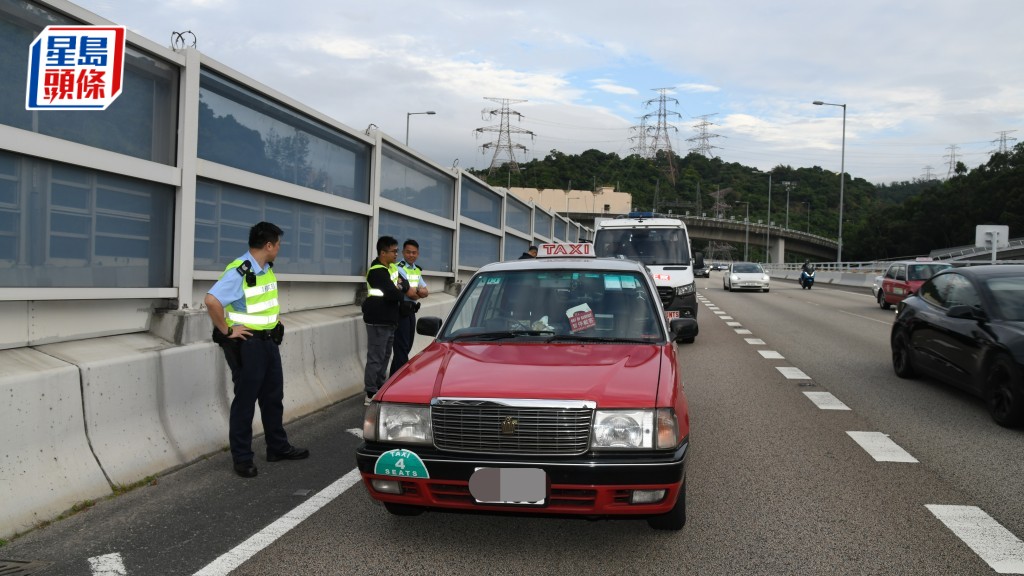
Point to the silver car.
(745, 276)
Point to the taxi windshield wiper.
(611, 339)
(500, 335)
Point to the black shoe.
(292, 453)
(246, 469)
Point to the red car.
(551, 388)
(902, 279)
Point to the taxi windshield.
(571, 305)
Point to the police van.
(663, 245)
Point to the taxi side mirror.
(682, 329)
(428, 325)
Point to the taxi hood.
(613, 375)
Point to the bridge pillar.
(777, 250)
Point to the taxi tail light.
(668, 428)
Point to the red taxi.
(551, 388)
(901, 279)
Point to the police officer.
(406, 331)
(249, 337)
(385, 288)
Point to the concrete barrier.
(46, 465)
(86, 414)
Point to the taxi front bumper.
(588, 485)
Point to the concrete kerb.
(91, 413)
(46, 466)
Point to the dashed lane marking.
(996, 545)
(357, 432)
(733, 324)
(742, 331)
(239, 554)
(826, 401)
(755, 341)
(880, 447)
(770, 354)
(107, 565)
(726, 317)
(792, 373)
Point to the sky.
(922, 80)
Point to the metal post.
(842, 179)
(407, 115)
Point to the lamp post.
(746, 235)
(768, 231)
(842, 179)
(407, 115)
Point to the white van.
(663, 245)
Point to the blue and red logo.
(75, 68)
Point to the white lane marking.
(742, 331)
(726, 317)
(792, 373)
(770, 354)
(996, 545)
(239, 554)
(880, 447)
(754, 341)
(107, 565)
(733, 324)
(357, 432)
(720, 312)
(826, 401)
(889, 323)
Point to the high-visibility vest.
(391, 268)
(413, 273)
(261, 304)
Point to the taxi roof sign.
(563, 249)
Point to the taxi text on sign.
(566, 249)
(75, 68)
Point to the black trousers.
(404, 335)
(257, 379)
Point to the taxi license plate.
(670, 314)
(521, 486)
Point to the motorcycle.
(807, 279)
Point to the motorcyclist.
(807, 267)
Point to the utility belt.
(276, 334)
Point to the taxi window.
(890, 273)
(901, 272)
(546, 303)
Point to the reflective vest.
(413, 273)
(370, 290)
(261, 305)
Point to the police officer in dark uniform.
(249, 335)
(385, 289)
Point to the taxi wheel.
(675, 518)
(1005, 395)
(881, 301)
(403, 509)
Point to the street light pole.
(746, 235)
(407, 115)
(768, 231)
(842, 179)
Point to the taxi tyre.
(902, 356)
(1005, 393)
(403, 509)
(675, 518)
(881, 301)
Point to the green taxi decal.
(400, 462)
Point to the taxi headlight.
(623, 429)
(684, 290)
(401, 423)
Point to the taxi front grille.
(495, 429)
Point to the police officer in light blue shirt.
(418, 290)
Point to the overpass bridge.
(705, 229)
